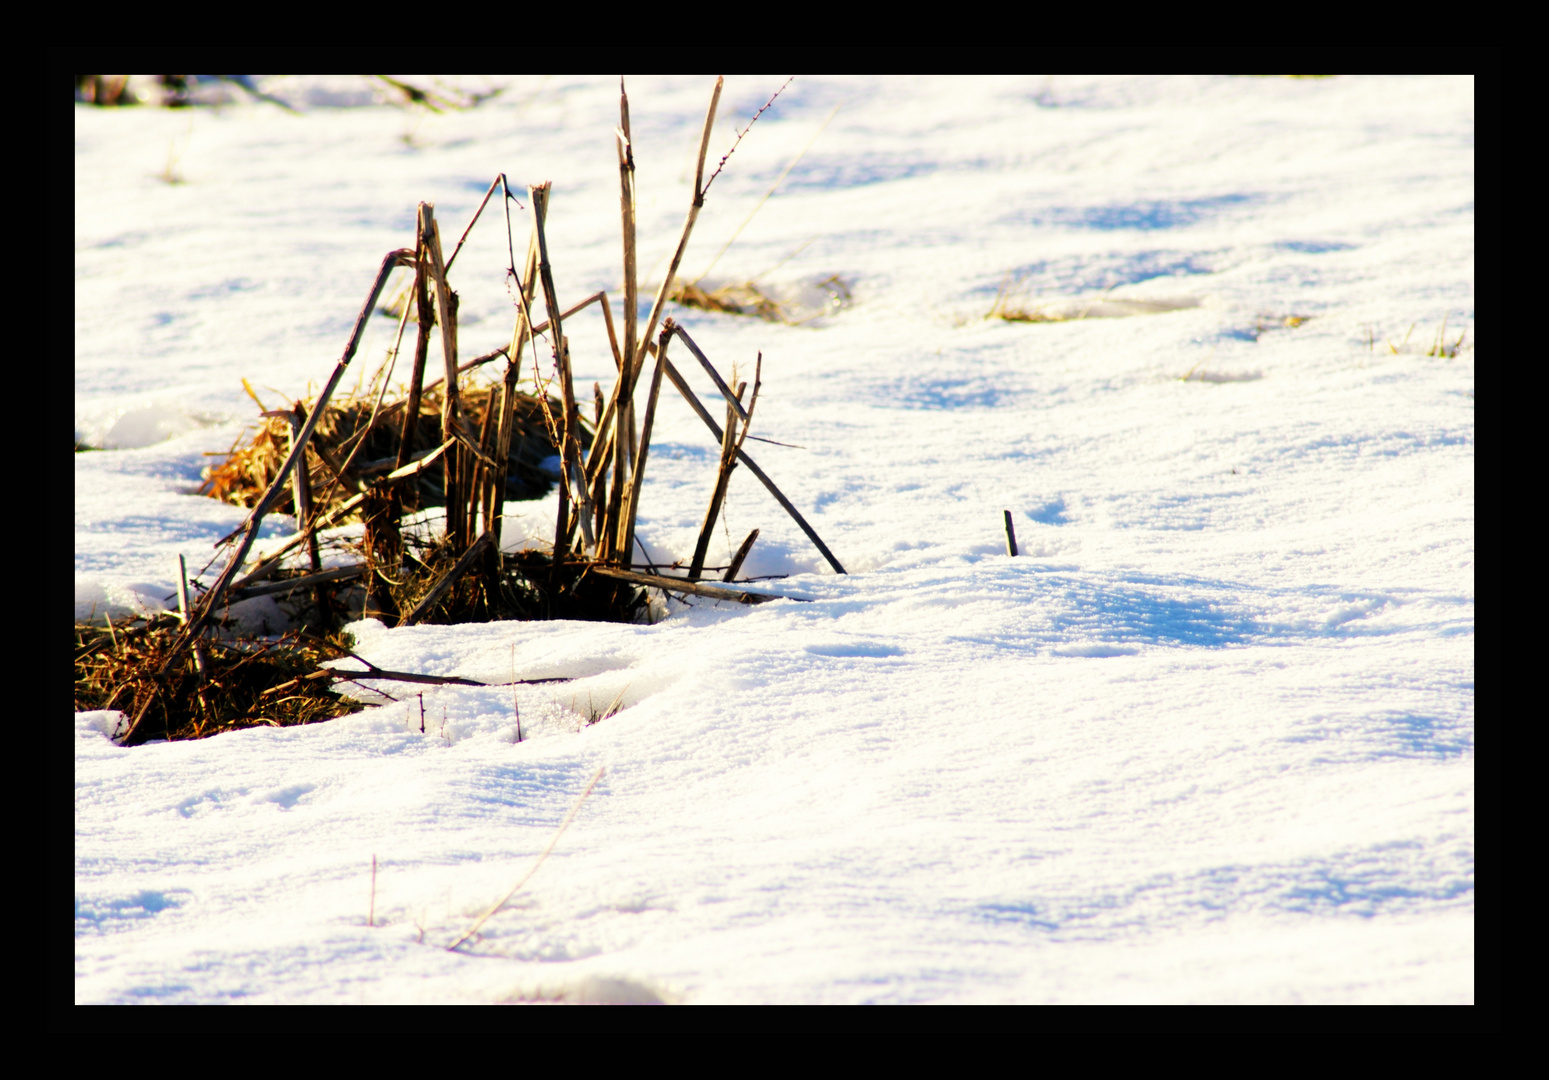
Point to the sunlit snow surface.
(1209, 739)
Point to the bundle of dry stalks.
(328, 462)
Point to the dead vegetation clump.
(465, 449)
(222, 685)
(355, 443)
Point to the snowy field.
(1210, 738)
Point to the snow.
(1208, 739)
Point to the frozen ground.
(1209, 739)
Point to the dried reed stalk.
(722, 476)
(704, 362)
(427, 321)
(626, 546)
(688, 225)
(741, 556)
(519, 335)
(730, 445)
(623, 447)
(693, 401)
(572, 487)
(446, 313)
(693, 588)
(301, 489)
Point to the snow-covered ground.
(1210, 738)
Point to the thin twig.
(563, 825)
(772, 189)
(743, 132)
(492, 186)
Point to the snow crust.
(1209, 738)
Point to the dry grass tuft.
(743, 298)
(1440, 347)
(1013, 304)
(810, 301)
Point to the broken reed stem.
(723, 470)
(623, 445)
(540, 206)
(290, 585)
(731, 446)
(451, 421)
(302, 489)
(693, 588)
(1011, 534)
(688, 225)
(563, 825)
(693, 401)
(627, 214)
(427, 321)
(704, 362)
(573, 486)
(582, 509)
(626, 546)
(519, 335)
(448, 579)
(738, 559)
(484, 470)
(255, 517)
